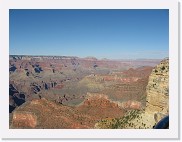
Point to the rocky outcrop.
(157, 106)
(100, 107)
(158, 89)
(42, 113)
(24, 120)
(157, 101)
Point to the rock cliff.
(157, 101)
(158, 90)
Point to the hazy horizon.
(111, 34)
(91, 57)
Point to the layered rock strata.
(157, 101)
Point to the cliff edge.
(157, 103)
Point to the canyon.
(157, 103)
(66, 92)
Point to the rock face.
(157, 101)
(158, 89)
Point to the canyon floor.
(61, 92)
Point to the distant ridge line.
(59, 56)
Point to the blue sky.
(112, 34)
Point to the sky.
(106, 33)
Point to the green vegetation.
(163, 68)
(120, 123)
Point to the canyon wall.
(158, 91)
(157, 101)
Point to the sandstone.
(157, 89)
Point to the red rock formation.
(99, 106)
(48, 76)
(46, 114)
(24, 120)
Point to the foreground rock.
(157, 101)
(45, 114)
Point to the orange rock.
(24, 119)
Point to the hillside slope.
(45, 114)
